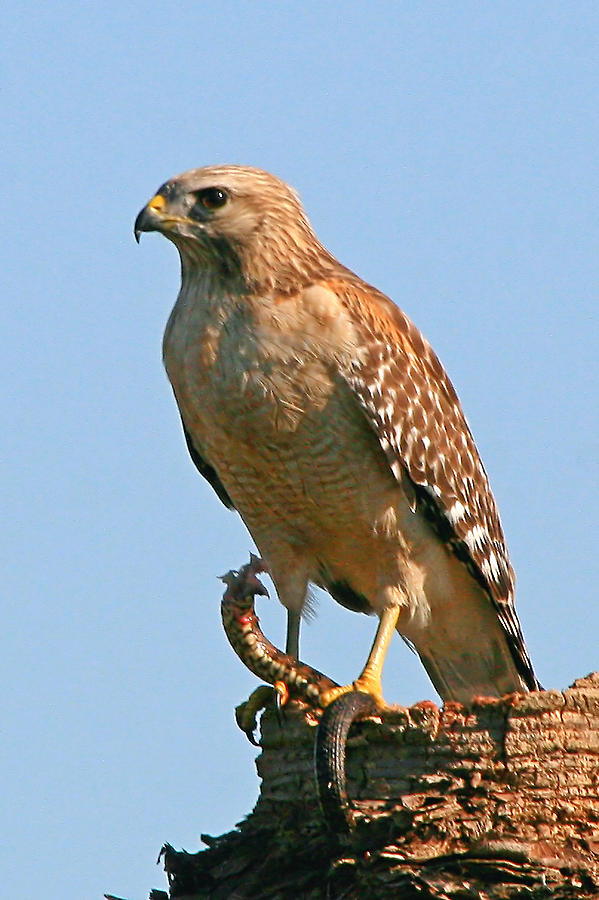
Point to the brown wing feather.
(412, 406)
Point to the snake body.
(242, 627)
(329, 757)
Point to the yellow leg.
(369, 681)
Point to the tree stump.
(498, 800)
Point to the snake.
(292, 679)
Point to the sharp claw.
(250, 736)
(279, 709)
(248, 729)
(246, 720)
(281, 696)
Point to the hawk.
(317, 410)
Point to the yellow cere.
(157, 203)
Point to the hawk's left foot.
(246, 714)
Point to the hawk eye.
(212, 198)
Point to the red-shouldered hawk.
(315, 408)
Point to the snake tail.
(329, 757)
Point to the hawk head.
(240, 222)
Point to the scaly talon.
(361, 685)
(246, 714)
(369, 681)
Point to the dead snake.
(297, 680)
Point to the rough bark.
(500, 800)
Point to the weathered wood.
(497, 801)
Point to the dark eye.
(212, 198)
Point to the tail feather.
(468, 656)
(462, 679)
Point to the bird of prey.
(317, 410)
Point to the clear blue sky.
(448, 154)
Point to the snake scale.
(295, 679)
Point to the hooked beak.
(150, 217)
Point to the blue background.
(445, 152)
